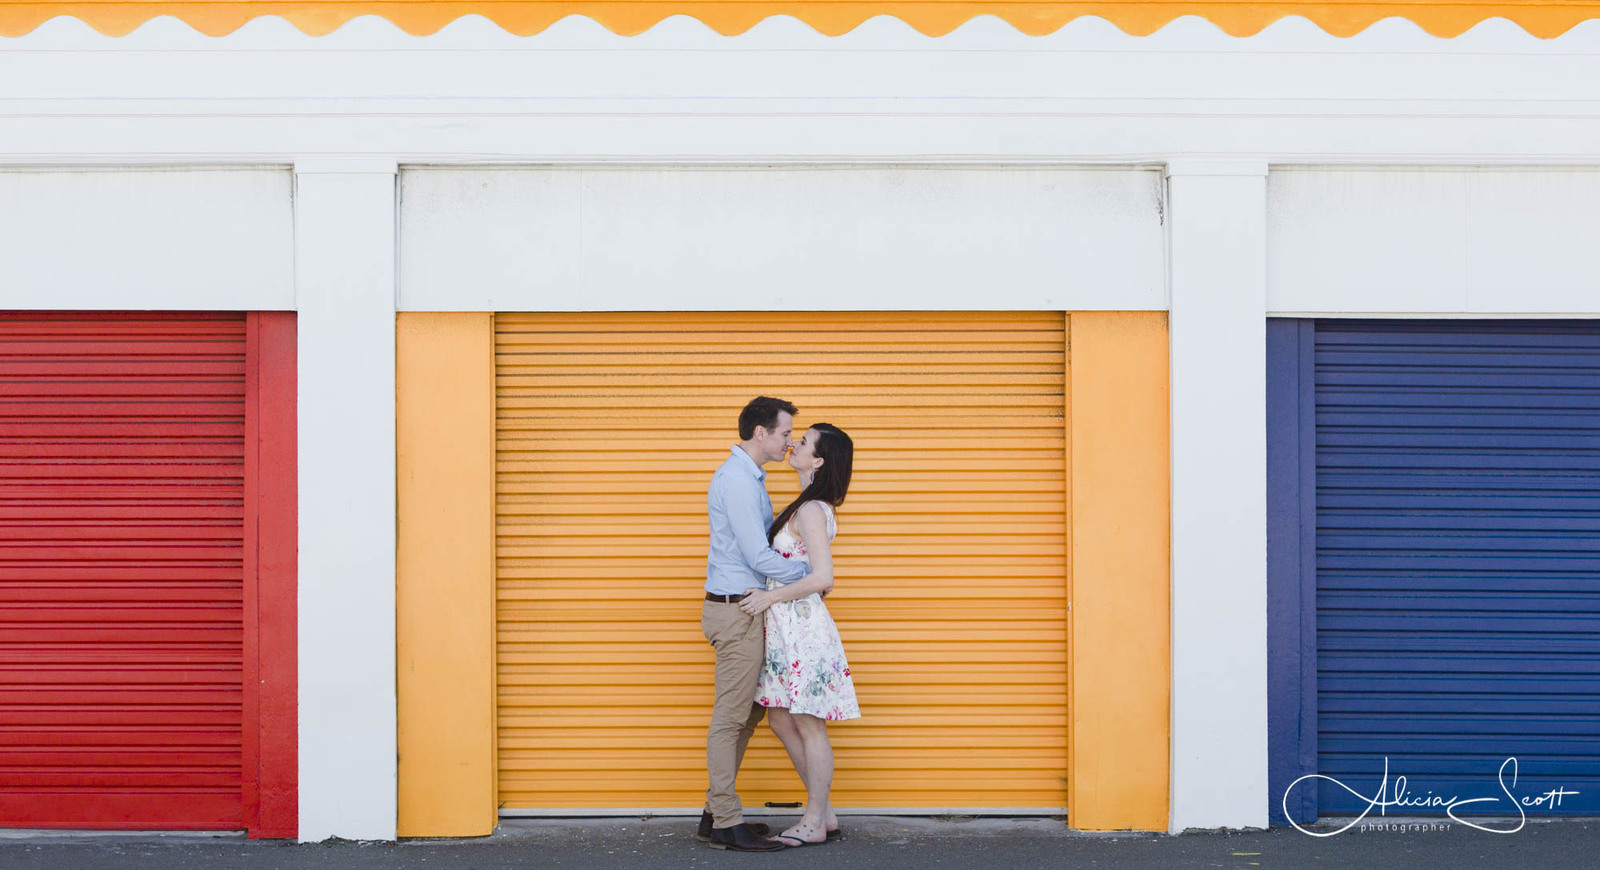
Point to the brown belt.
(725, 599)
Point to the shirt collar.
(759, 472)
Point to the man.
(740, 561)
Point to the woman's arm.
(811, 524)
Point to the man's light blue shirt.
(740, 512)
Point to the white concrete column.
(1217, 258)
(345, 293)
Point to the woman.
(806, 680)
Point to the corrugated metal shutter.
(1458, 559)
(121, 621)
(951, 558)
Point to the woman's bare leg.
(782, 724)
(816, 771)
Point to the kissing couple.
(778, 651)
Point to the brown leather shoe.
(740, 838)
(703, 833)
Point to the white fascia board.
(1430, 241)
(171, 238)
(865, 238)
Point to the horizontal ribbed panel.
(121, 547)
(1458, 559)
(951, 555)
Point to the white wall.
(1219, 491)
(125, 238)
(781, 92)
(1420, 240)
(764, 238)
(344, 266)
(994, 111)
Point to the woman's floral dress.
(805, 669)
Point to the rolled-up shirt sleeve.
(750, 534)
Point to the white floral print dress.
(805, 669)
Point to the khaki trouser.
(741, 648)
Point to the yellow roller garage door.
(951, 595)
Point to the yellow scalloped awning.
(933, 17)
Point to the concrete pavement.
(879, 843)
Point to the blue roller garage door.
(1456, 564)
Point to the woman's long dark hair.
(832, 480)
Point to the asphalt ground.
(879, 843)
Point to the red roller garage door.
(143, 466)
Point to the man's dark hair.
(762, 411)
